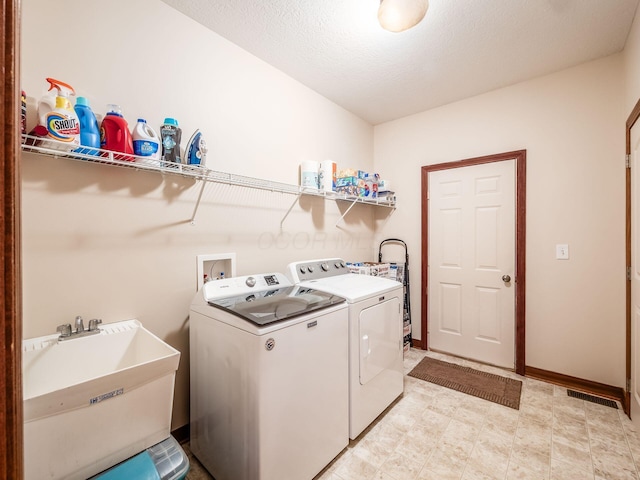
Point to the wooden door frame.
(631, 121)
(11, 463)
(520, 156)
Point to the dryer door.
(380, 328)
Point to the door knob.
(506, 278)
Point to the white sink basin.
(93, 401)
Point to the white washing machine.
(375, 334)
(269, 378)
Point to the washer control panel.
(231, 286)
(315, 269)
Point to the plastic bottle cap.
(113, 108)
(142, 120)
(82, 101)
(170, 121)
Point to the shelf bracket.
(346, 211)
(289, 211)
(195, 209)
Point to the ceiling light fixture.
(400, 15)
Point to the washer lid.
(268, 306)
(354, 287)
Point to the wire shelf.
(53, 148)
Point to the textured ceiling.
(462, 47)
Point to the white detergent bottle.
(60, 119)
(146, 142)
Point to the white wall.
(632, 65)
(572, 125)
(115, 243)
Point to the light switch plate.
(562, 252)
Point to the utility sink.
(92, 402)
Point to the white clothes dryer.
(376, 375)
(269, 378)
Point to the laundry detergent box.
(346, 182)
(351, 190)
(371, 185)
(371, 190)
(383, 185)
(347, 172)
(351, 172)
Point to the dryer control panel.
(315, 269)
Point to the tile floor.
(433, 433)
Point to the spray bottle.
(61, 121)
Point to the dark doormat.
(502, 390)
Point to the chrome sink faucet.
(66, 333)
(93, 324)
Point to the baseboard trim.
(181, 434)
(579, 384)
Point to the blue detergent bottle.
(89, 130)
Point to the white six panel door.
(471, 307)
(635, 276)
